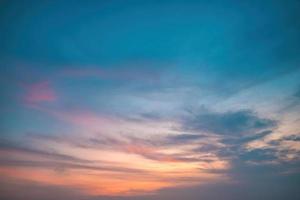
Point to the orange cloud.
(113, 170)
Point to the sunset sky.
(150, 100)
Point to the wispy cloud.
(157, 163)
(39, 92)
(233, 123)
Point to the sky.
(150, 100)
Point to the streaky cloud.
(232, 123)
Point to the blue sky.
(149, 99)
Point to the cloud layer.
(149, 100)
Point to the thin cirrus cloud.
(157, 164)
(152, 170)
(39, 92)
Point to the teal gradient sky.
(150, 100)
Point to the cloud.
(78, 117)
(184, 138)
(247, 138)
(62, 166)
(36, 191)
(148, 149)
(293, 138)
(259, 156)
(152, 164)
(232, 123)
(39, 92)
(16, 155)
(8, 146)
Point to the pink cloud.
(39, 92)
(80, 117)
